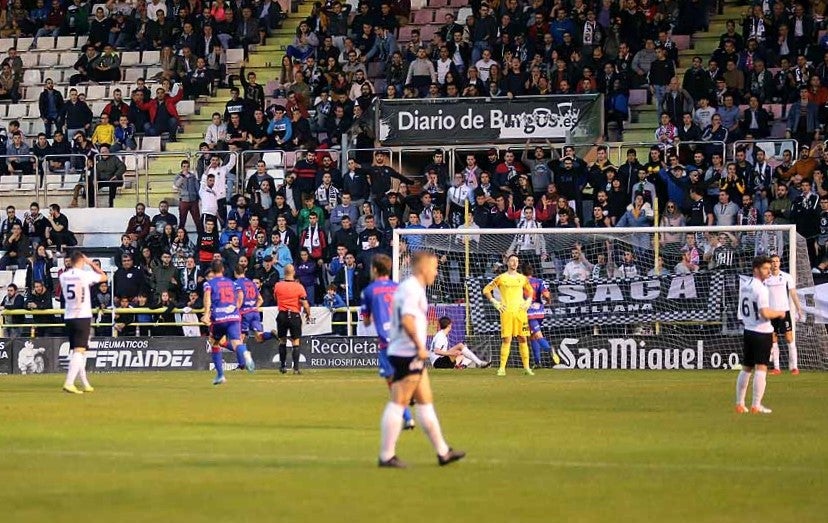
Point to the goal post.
(623, 297)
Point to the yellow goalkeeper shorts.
(514, 323)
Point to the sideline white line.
(293, 459)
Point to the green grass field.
(562, 446)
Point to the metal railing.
(149, 156)
(68, 171)
(773, 156)
(623, 147)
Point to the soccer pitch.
(563, 445)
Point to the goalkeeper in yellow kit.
(516, 297)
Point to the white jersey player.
(75, 284)
(407, 355)
(755, 313)
(782, 291)
(459, 356)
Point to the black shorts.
(443, 362)
(757, 348)
(79, 331)
(783, 325)
(405, 366)
(289, 322)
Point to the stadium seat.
(6, 277)
(29, 60)
(68, 58)
(405, 34)
(97, 107)
(638, 97)
(37, 126)
(17, 111)
(185, 107)
(150, 57)
(464, 12)
(422, 17)
(152, 71)
(32, 77)
(274, 159)
(46, 44)
(48, 60)
(9, 183)
(150, 143)
(5, 43)
(95, 92)
(235, 56)
(459, 4)
(133, 73)
(682, 41)
(130, 58)
(24, 43)
(65, 42)
(28, 182)
(19, 278)
(438, 3)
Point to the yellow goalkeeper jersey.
(514, 290)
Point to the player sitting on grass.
(755, 312)
(516, 297)
(459, 356)
(535, 314)
(222, 301)
(377, 300)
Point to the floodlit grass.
(562, 446)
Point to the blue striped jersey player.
(222, 303)
(251, 318)
(377, 303)
(535, 314)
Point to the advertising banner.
(140, 354)
(671, 297)
(5, 356)
(35, 356)
(488, 120)
(329, 352)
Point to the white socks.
(793, 358)
(759, 381)
(82, 371)
(76, 363)
(390, 428)
(469, 355)
(431, 426)
(775, 355)
(741, 387)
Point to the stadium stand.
(182, 79)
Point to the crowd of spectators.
(332, 213)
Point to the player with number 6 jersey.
(756, 315)
(76, 283)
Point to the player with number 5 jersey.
(76, 283)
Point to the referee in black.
(290, 298)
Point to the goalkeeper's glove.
(527, 304)
(497, 305)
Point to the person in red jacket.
(163, 115)
(248, 238)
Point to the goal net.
(626, 298)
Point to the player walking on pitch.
(407, 354)
(222, 301)
(515, 299)
(76, 283)
(782, 292)
(377, 304)
(535, 315)
(756, 315)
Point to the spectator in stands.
(163, 115)
(128, 280)
(76, 115)
(16, 248)
(104, 132)
(216, 135)
(58, 233)
(19, 156)
(13, 301)
(110, 171)
(50, 103)
(9, 84)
